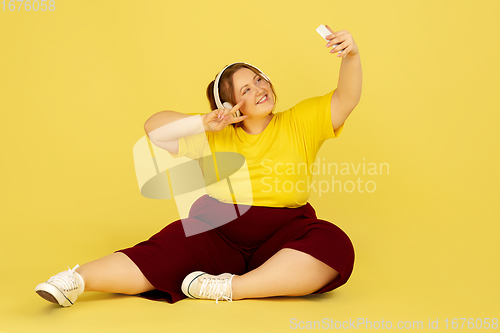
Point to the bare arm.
(348, 92)
(166, 127)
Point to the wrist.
(353, 53)
(205, 127)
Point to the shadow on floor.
(100, 296)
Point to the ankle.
(236, 286)
(81, 281)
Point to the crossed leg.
(287, 273)
(114, 273)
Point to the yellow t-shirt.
(278, 159)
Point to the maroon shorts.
(238, 246)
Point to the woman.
(270, 242)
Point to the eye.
(249, 89)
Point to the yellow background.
(77, 84)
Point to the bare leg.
(114, 273)
(287, 273)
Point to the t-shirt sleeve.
(314, 116)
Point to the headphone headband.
(217, 80)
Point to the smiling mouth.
(263, 100)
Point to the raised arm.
(348, 92)
(166, 127)
(162, 118)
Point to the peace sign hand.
(218, 119)
(344, 41)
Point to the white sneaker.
(63, 288)
(205, 286)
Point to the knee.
(338, 236)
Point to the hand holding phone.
(323, 32)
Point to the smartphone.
(323, 32)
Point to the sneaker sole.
(52, 294)
(47, 296)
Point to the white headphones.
(228, 105)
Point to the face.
(251, 88)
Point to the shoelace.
(65, 279)
(214, 288)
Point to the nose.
(260, 90)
